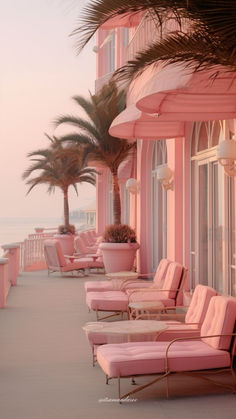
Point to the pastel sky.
(39, 73)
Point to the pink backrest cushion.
(80, 246)
(53, 253)
(220, 319)
(159, 277)
(199, 304)
(172, 279)
(84, 237)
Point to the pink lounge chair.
(81, 248)
(193, 319)
(95, 286)
(57, 262)
(118, 301)
(213, 350)
(190, 327)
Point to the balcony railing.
(144, 35)
(24, 256)
(148, 31)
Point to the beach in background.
(17, 229)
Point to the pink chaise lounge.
(214, 350)
(118, 301)
(190, 327)
(57, 262)
(95, 286)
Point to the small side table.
(118, 278)
(144, 307)
(99, 333)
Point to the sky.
(39, 73)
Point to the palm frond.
(213, 14)
(197, 50)
(80, 123)
(75, 138)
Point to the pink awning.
(132, 124)
(176, 93)
(127, 20)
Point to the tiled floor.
(46, 371)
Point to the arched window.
(212, 203)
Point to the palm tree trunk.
(116, 199)
(66, 208)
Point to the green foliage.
(70, 229)
(93, 133)
(119, 233)
(59, 166)
(208, 41)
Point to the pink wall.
(102, 200)
(175, 201)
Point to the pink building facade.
(193, 220)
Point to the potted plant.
(119, 248)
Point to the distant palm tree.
(210, 39)
(93, 133)
(59, 166)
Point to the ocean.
(17, 229)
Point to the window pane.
(217, 236)
(193, 227)
(232, 238)
(203, 225)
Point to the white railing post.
(3, 282)
(12, 251)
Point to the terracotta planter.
(66, 242)
(118, 257)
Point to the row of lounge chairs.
(204, 342)
(87, 255)
(167, 287)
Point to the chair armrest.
(151, 275)
(133, 282)
(162, 316)
(142, 290)
(81, 256)
(192, 338)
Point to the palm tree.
(210, 39)
(62, 167)
(93, 133)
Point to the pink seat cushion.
(220, 319)
(95, 286)
(128, 359)
(81, 263)
(151, 296)
(96, 264)
(199, 304)
(107, 301)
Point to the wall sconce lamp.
(166, 176)
(96, 49)
(133, 186)
(226, 155)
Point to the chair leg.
(139, 388)
(234, 376)
(167, 387)
(119, 395)
(94, 358)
